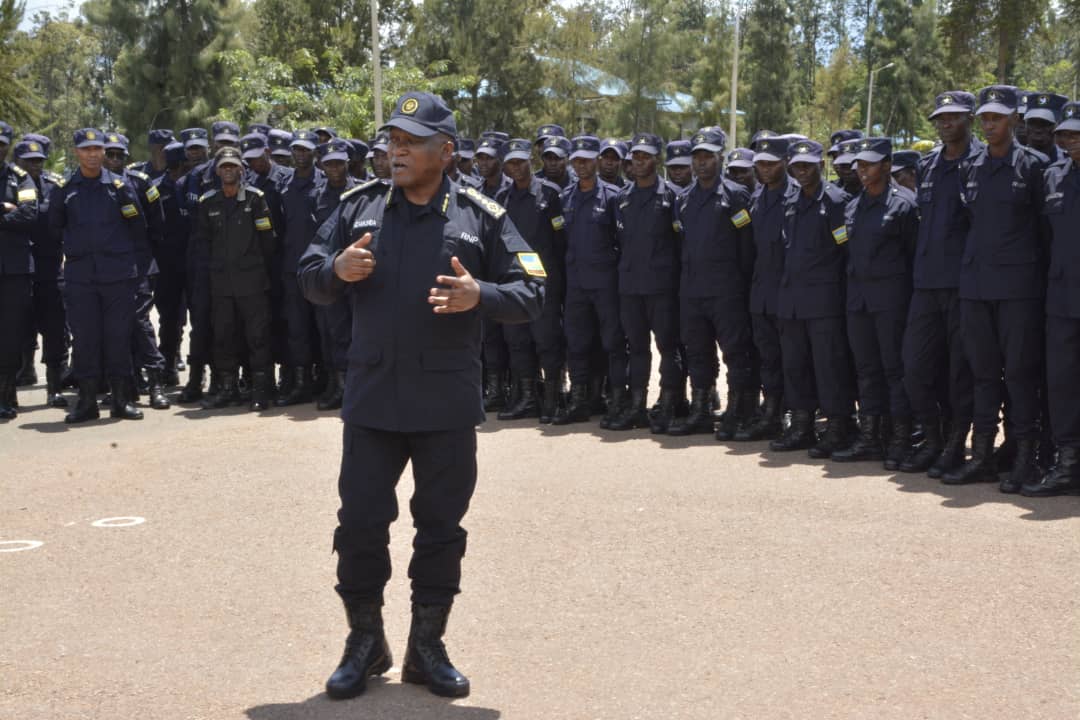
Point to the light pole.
(734, 78)
(870, 95)
(376, 68)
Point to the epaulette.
(18, 171)
(254, 190)
(55, 179)
(139, 174)
(362, 186)
(550, 185)
(1040, 156)
(491, 207)
(118, 183)
(131, 165)
(207, 194)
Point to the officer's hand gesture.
(463, 293)
(355, 262)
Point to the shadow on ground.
(382, 700)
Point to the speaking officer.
(882, 225)
(420, 262)
(592, 283)
(937, 376)
(810, 306)
(649, 246)
(1061, 213)
(18, 216)
(103, 232)
(1002, 287)
(533, 205)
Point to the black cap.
(842, 136)
(874, 149)
(648, 143)
(159, 136)
(518, 149)
(466, 148)
(335, 149)
(771, 149)
(711, 138)
(89, 137)
(29, 150)
(116, 141)
(224, 130)
(491, 146)
(174, 154)
(740, 158)
(305, 139)
(904, 159)
(44, 140)
(805, 151)
(279, 141)
(1070, 117)
(360, 149)
(261, 128)
(252, 145)
(677, 152)
(228, 155)
(584, 146)
(1000, 99)
(6, 133)
(422, 114)
(555, 144)
(615, 145)
(1045, 106)
(759, 136)
(194, 136)
(545, 131)
(953, 101)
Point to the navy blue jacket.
(173, 247)
(717, 241)
(234, 241)
(1004, 256)
(537, 214)
(881, 235)
(592, 248)
(1062, 224)
(944, 224)
(815, 256)
(17, 224)
(410, 369)
(101, 226)
(767, 212)
(649, 240)
(298, 209)
(149, 202)
(48, 253)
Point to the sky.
(34, 6)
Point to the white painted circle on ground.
(114, 522)
(19, 545)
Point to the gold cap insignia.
(1043, 99)
(91, 135)
(947, 100)
(764, 146)
(33, 147)
(410, 106)
(803, 149)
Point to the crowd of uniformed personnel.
(879, 317)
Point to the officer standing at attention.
(1002, 290)
(609, 163)
(104, 234)
(933, 340)
(278, 141)
(1062, 215)
(420, 264)
(905, 168)
(678, 165)
(489, 156)
(454, 173)
(554, 154)
(842, 159)
(19, 215)
(1042, 115)
(716, 265)
(466, 153)
(358, 161)
(380, 161)
(156, 141)
(740, 168)
(882, 225)
(171, 254)
(196, 148)
(650, 251)
(810, 306)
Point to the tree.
(641, 54)
(768, 40)
(994, 33)
(18, 105)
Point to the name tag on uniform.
(128, 211)
(27, 195)
(152, 194)
(676, 226)
(262, 223)
(558, 222)
(532, 265)
(840, 235)
(740, 219)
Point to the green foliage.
(18, 105)
(770, 100)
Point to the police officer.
(716, 265)
(489, 156)
(1062, 214)
(905, 168)
(279, 141)
(335, 320)
(418, 286)
(1002, 286)
(649, 256)
(18, 218)
(466, 154)
(298, 208)
(937, 376)
(380, 160)
(196, 148)
(453, 171)
(156, 140)
(553, 155)
(234, 233)
(325, 134)
(592, 290)
(544, 132)
(534, 207)
(1020, 132)
(171, 255)
(488, 160)
(740, 168)
(840, 151)
(358, 161)
(882, 226)
(1043, 111)
(677, 162)
(767, 207)
(260, 128)
(609, 163)
(98, 216)
(810, 306)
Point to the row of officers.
(934, 293)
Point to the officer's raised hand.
(461, 294)
(355, 262)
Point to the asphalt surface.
(608, 575)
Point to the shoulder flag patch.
(740, 219)
(263, 223)
(152, 194)
(27, 195)
(558, 222)
(128, 211)
(840, 235)
(530, 261)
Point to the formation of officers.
(879, 317)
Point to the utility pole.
(870, 94)
(734, 79)
(376, 66)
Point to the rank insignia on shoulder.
(128, 211)
(558, 222)
(152, 193)
(740, 219)
(530, 261)
(840, 235)
(19, 172)
(490, 206)
(118, 183)
(27, 195)
(262, 223)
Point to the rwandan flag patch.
(152, 194)
(262, 223)
(557, 222)
(741, 219)
(128, 211)
(840, 235)
(27, 195)
(531, 263)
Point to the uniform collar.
(439, 203)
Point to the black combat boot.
(700, 420)
(727, 425)
(899, 446)
(366, 651)
(616, 404)
(86, 407)
(194, 389)
(1063, 478)
(169, 376)
(287, 379)
(921, 458)
(767, 424)
(867, 445)
(799, 435)
(577, 408)
(7, 411)
(261, 392)
(1006, 453)
(1025, 470)
(27, 372)
(549, 405)
(837, 436)
(980, 468)
(634, 415)
(663, 414)
(54, 381)
(158, 401)
(598, 405)
(227, 393)
(426, 661)
(742, 407)
(526, 405)
(301, 388)
(122, 406)
(494, 390)
(952, 455)
(334, 396)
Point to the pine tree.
(770, 102)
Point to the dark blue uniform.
(413, 390)
(272, 184)
(298, 208)
(18, 190)
(334, 320)
(171, 255)
(144, 340)
(201, 180)
(49, 316)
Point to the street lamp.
(870, 95)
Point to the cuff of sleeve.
(489, 297)
(331, 278)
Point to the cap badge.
(764, 146)
(410, 106)
(699, 139)
(947, 100)
(803, 149)
(580, 144)
(91, 135)
(993, 96)
(33, 147)
(1043, 99)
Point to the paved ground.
(608, 576)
